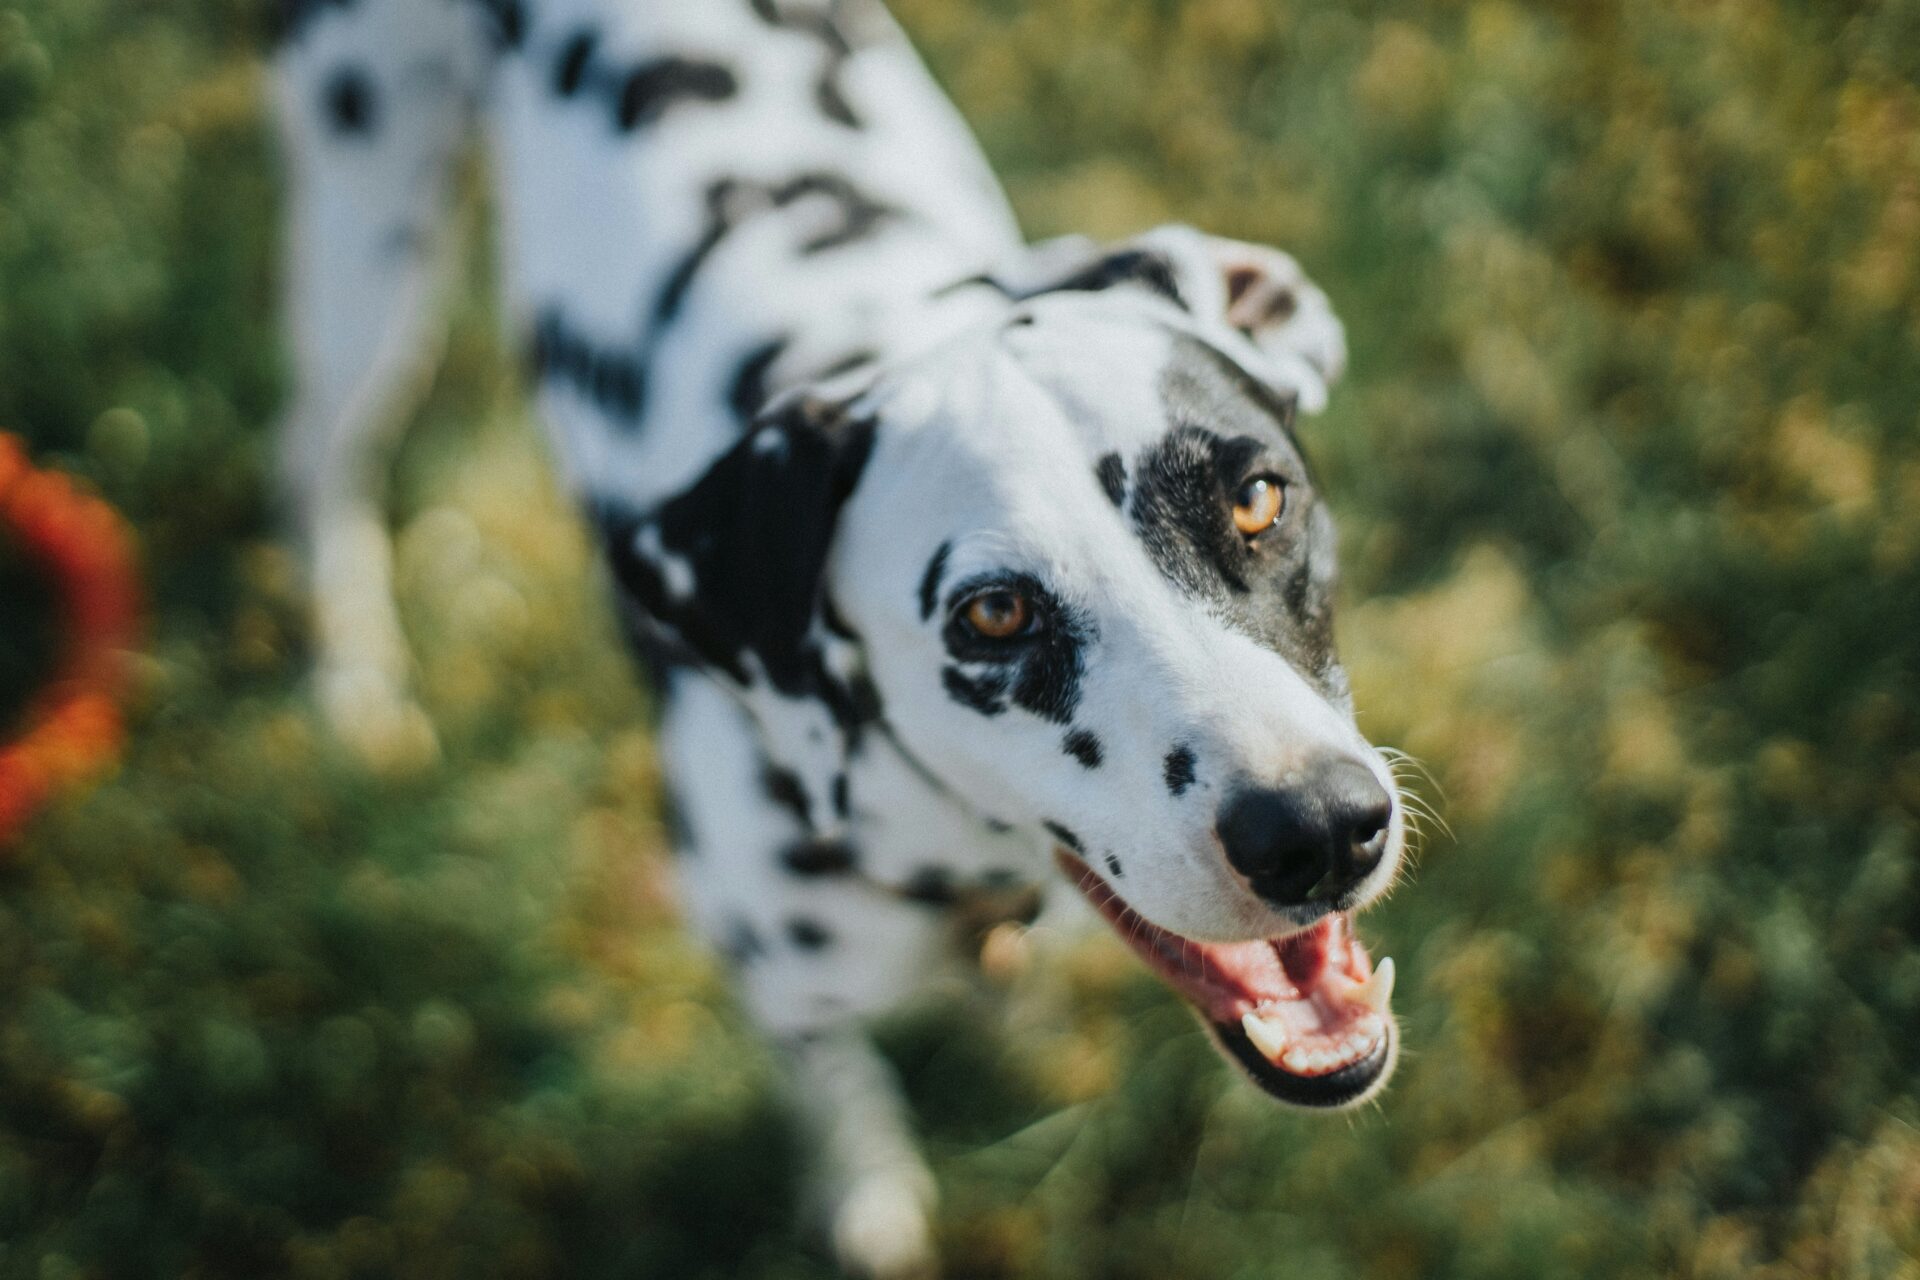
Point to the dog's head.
(1077, 561)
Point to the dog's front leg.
(816, 949)
(872, 1190)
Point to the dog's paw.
(1287, 315)
(373, 717)
(880, 1230)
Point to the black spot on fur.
(863, 697)
(1137, 268)
(784, 789)
(820, 858)
(616, 386)
(1112, 473)
(808, 934)
(636, 95)
(720, 220)
(1179, 769)
(859, 214)
(740, 942)
(1084, 747)
(731, 201)
(833, 102)
(1064, 836)
(824, 25)
(614, 380)
(930, 580)
(570, 68)
(985, 694)
(617, 379)
(350, 103)
(976, 281)
(1141, 268)
(847, 363)
(930, 886)
(1113, 865)
(842, 797)
(835, 621)
(508, 22)
(753, 532)
(747, 390)
(650, 89)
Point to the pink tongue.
(1304, 955)
(1258, 972)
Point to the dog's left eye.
(1258, 504)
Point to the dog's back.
(699, 203)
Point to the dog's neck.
(790, 193)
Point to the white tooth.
(1268, 1035)
(1377, 992)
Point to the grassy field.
(1629, 479)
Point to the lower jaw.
(1343, 1088)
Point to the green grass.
(1630, 493)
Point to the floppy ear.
(728, 576)
(1248, 294)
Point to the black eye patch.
(1180, 507)
(1276, 589)
(1039, 671)
(1234, 459)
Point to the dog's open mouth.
(1306, 1015)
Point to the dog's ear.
(729, 574)
(1248, 294)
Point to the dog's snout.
(1310, 842)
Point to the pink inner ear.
(1239, 280)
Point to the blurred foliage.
(29, 642)
(1630, 488)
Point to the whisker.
(1411, 779)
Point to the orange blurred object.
(72, 728)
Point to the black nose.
(1311, 842)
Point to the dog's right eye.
(998, 613)
(1257, 507)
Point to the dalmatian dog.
(964, 568)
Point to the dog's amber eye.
(1258, 504)
(998, 614)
